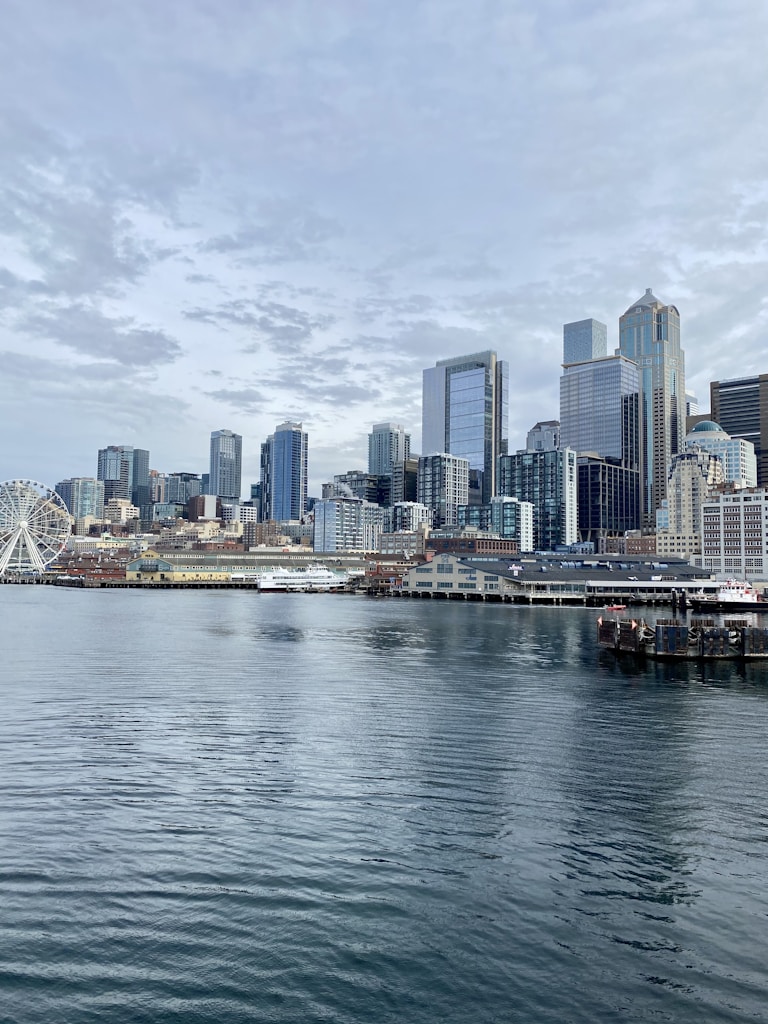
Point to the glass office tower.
(740, 406)
(598, 408)
(225, 476)
(465, 411)
(649, 334)
(584, 339)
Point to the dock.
(672, 640)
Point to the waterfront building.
(284, 473)
(83, 496)
(608, 499)
(693, 476)
(471, 542)
(734, 539)
(544, 436)
(225, 473)
(740, 406)
(599, 408)
(649, 335)
(442, 485)
(465, 414)
(348, 524)
(548, 480)
(388, 444)
(584, 339)
(403, 543)
(736, 454)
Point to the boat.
(312, 579)
(615, 607)
(731, 595)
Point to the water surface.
(303, 808)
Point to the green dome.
(707, 426)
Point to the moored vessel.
(731, 595)
(312, 579)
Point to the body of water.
(231, 807)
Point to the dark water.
(223, 807)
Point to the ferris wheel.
(34, 526)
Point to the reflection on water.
(238, 807)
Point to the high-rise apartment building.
(465, 413)
(284, 474)
(584, 339)
(83, 496)
(125, 472)
(388, 444)
(347, 524)
(225, 474)
(180, 487)
(740, 406)
(548, 480)
(649, 334)
(442, 485)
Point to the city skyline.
(200, 202)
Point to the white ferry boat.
(314, 578)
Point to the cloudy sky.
(222, 213)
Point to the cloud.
(91, 333)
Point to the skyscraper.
(225, 476)
(649, 334)
(548, 480)
(125, 472)
(83, 496)
(740, 406)
(284, 474)
(388, 444)
(465, 413)
(442, 485)
(584, 339)
(598, 408)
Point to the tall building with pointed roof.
(649, 334)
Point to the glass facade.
(649, 334)
(584, 339)
(388, 444)
(465, 411)
(598, 408)
(225, 476)
(548, 480)
(289, 472)
(609, 498)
